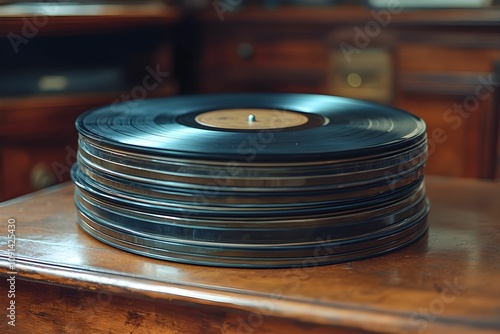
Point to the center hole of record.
(251, 119)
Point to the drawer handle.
(245, 50)
(354, 80)
(42, 176)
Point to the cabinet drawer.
(447, 52)
(271, 54)
(261, 48)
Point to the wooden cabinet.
(65, 65)
(440, 65)
(261, 58)
(449, 80)
(444, 75)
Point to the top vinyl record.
(253, 127)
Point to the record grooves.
(252, 180)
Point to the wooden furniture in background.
(426, 62)
(68, 282)
(38, 100)
(438, 64)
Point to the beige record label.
(251, 119)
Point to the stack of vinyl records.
(252, 180)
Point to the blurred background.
(438, 59)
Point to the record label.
(251, 119)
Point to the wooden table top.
(448, 280)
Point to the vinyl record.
(252, 180)
(290, 127)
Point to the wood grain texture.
(447, 281)
(76, 311)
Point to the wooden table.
(67, 282)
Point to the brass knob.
(42, 176)
(245, 50)
(354, 80)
